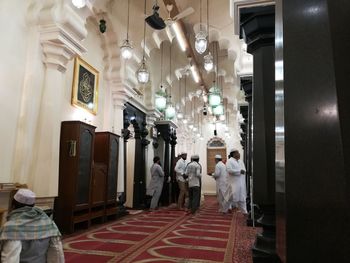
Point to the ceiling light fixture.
(126, 48)
(160, 99)
(208, 59)
(208, 62)
(79, 3)
(201, 42)
(214, 96)
(170, 110)
(142, 72)
(179, 113)
(218, 110)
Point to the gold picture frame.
(85, 86)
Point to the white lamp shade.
(126, 49)
(214, 99)
(208, 65)
(160, 102)
(79, 3)
(218, 110)
(208, 62)
(142, 74)
(170, 112)
(201, 42)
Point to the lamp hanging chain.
(208, 23)
(161, 66)
(127, 24)
(144, 34)
(201, 125)
(185, 93)
(170, 72)
(200, 15)
(217, 64)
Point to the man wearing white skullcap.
(220, 177)
(194, 173)
(236, 192)
(182, 181)
(29, 235)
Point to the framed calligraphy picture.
(85, 86)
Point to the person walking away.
(180, 168)
(220, 176)
(29, 235)
(193, 171)
(155, 186)
(236, 193)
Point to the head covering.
(233, 150)
(25, 196)
(195, 156)
(182, 153)
(218, 156)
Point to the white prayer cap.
(196, 156)
(218, 156)
(233, 150)
(25, 196)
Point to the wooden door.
(211, 152)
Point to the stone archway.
(215, 146)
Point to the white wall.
(94, 56)
(13, 53)
(24, 80)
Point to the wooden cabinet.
(72, 206)
(88, 173)
(106, 155)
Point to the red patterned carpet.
(167, 235)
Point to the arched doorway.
(215, 146)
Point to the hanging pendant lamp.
(160, 96)
(201, 42)
(79, 3)
(208, 62)
(160, 100)
(214, 96)
(126, 48)
(170, 110)
(179, 114)
(143, 73)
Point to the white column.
(121, 94)
(118, 126)
(61, 40)
(150, 119)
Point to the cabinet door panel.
(113, 170)
(84, 173)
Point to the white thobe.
(220, 177)
(180, 168)
(236, 193)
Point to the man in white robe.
(180, 168)
(236, 193)
(155, 186)
(220, 177)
